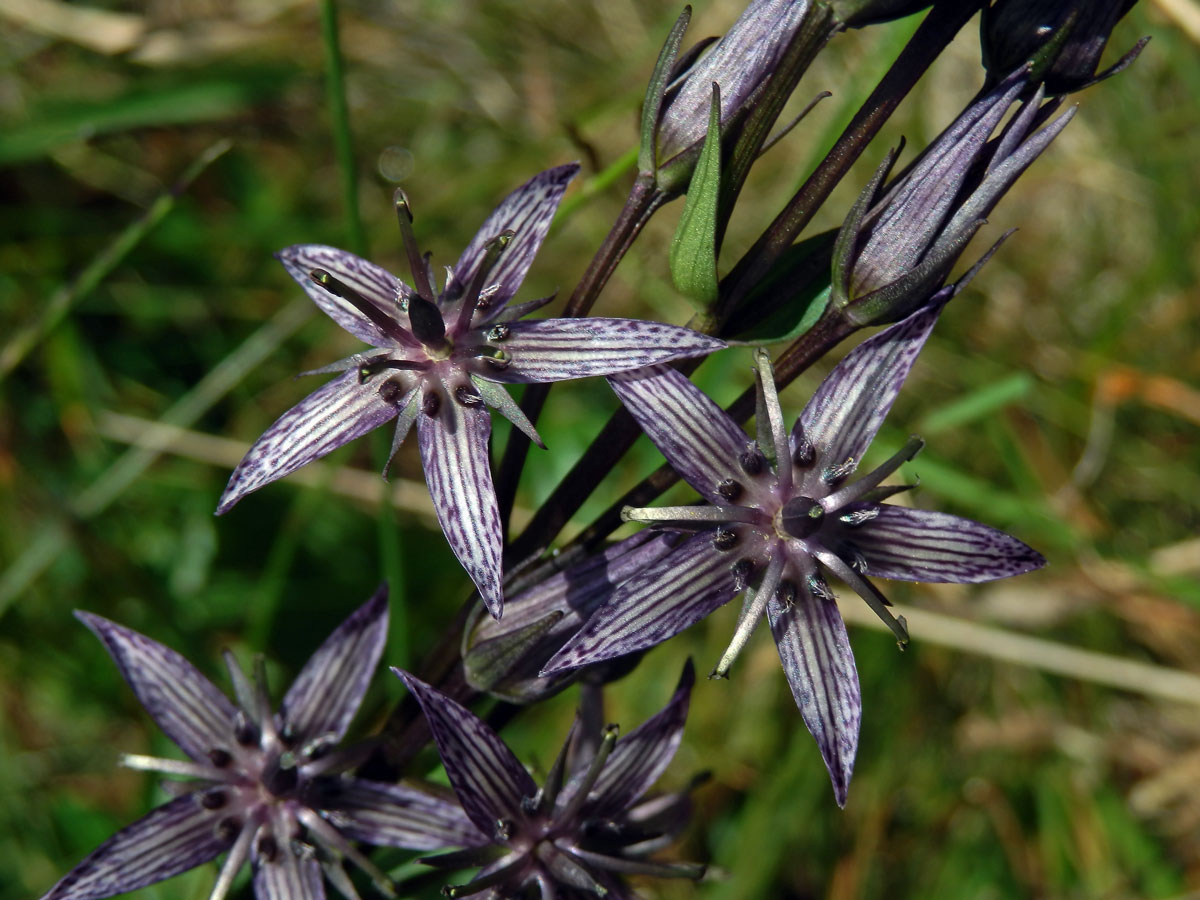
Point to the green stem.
(339, 123)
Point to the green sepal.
(790, 297)
(655, 91)
(694, 249)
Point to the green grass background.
(1055, 396)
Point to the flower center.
(801, 517)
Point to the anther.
(391, 390)
(858, 516)
(725, 539)
(268, 848)
(228, 829)
(786, 594)
(504, 829)
(431, 404)
(220, 757)
(833, 475)
(804, 454)
(245, 732)
(729, 489)
(752, 461)
(498, 332)
(214, 799)
(466, 397)
(818, 586)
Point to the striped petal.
(557, 349)
(326, 419)
(666, 598)
(643, 755)
(400, 815)
(527, 212)
(288, 876)
(921, 545)
(371, 281)
(326, 694)
(173, 838)
(490, 782)
(845, 413)
(696, 436)
(819, 665)
(454, 450)
(185, 704)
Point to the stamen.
(431, 403)
(498, 333)
(866, 590)
(725, 539)
(752, 461)
(820, 587)
(391, 390)
(418, 266)
(626, 866)
(214, 799)
(499, 876)
(467, 397)
(729, 489)
(268, 848)
(805, 453)
(492, 252)
(869, 482)
(220, 757)
(836, 474)
(741, 572)
(751, 615)
(607, 742)
(858, 516)
(786, 595)
(378, 317)
(504, 829)
(332, 840)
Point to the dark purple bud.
(1063, 40)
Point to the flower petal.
(921, 545)
(173, 838)
(643, 755)
(678, 591)
(401, 815)
(819, 665)
(527, 211)
(325, 695)
(185, 704)
(454, 451)
(371, 281)
(489, 780)
(326, 419)
(556, 349)
(696, 436)
(289, 876)
(844, 414)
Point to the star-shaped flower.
(575, 836)
(264, 786)
(781, 511)
(437, 359)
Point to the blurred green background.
(1056, 397)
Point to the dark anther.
(431, 404)
(819, 588)
(725, 539)
(752, 461)
(219, 757)
(466, 397)
(391, 390)
(853, 557)
(228, 829)
(856, 517)
(245, 732)
(833, 475)
(214, 799)
(786, 594)
(498, 332)
(804, 454)
(741, 571)
(729, 489)
(504, 829)
(268, 848)
(801, 516)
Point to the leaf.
(694, 248)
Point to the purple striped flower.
(588, 825)
(438, 358)
(262, 786)
(782, 511)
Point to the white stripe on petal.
(557, 349)
(454, 450)
(819, 665)
(289, 876)
(400, 815)
(326, 419)
(696, 436)
(185, 704)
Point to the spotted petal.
(845, 413)
(289, 876)
(696, 436)
(644, 754)
(173, 838)
(678, 591)
(490, 782)
(819, 665)
(400, 815)
(921, 545)
(527, 212)
(454, 450)
(327, 692)
(556, 349)
(326, 419)
(185, 704)
(371, 281)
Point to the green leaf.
(789, 299)
(694, 248)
